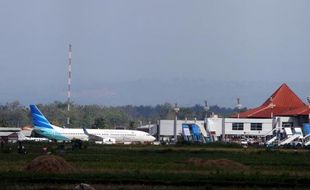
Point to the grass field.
(160, 167)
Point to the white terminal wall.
(214, 125)
(266, 126)
(224, 125)
(281, 120)
(220, 126)
(166, 126)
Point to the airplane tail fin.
(38, 119)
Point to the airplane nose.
(153, 138)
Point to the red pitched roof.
(298, 111)
(283, 100)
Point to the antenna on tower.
(69, 82)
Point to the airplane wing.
(92, 137)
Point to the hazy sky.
(118, 43)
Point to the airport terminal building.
(283, 113)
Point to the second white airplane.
(107, 136)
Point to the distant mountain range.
(186, 92)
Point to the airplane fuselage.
(120, 136)
(43, 127)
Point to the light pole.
(140, 122)
(176, 110)
(238, 106)
(271, 106)
(206, 108)
(308, 99)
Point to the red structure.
(283, 102)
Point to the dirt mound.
(49, 164)
(220, 164)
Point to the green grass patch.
(161, 166)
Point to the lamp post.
(176, 110)
(308, 99)
(271, 106)
(206, 108)
(238, 106)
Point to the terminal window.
(237, 126)
(256, 126)
(287, 124)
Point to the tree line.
(14, 114)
